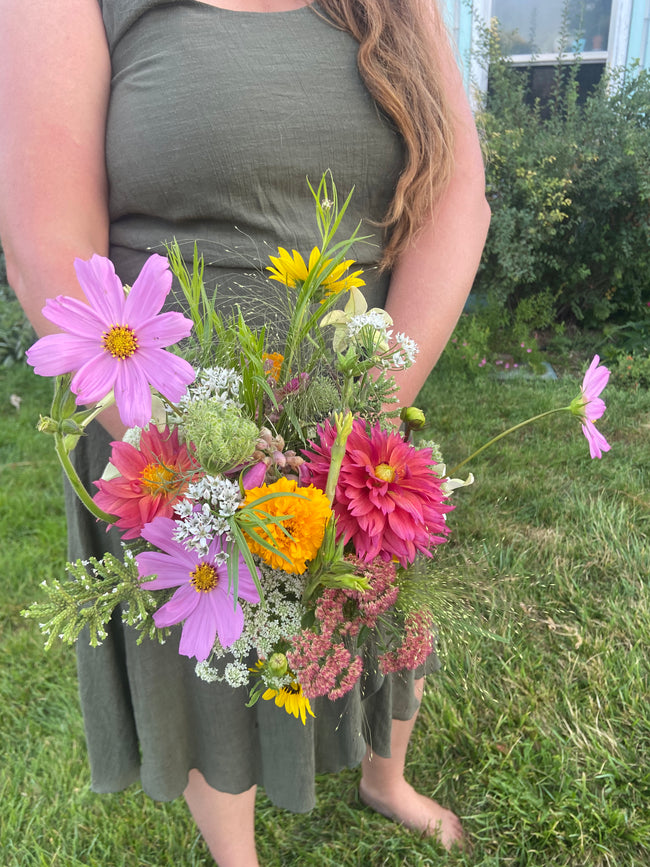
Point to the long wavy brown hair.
(399, 66)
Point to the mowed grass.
(536, 731)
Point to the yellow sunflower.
(292, 699)
(290, 269)
(307, 516)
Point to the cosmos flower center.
(120, 341)
(385, 472)
(204, 578)
(157, 478)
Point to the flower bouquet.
(267, 503)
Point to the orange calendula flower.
(300, 534)
(273, 364)
(291, 270)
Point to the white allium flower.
(221, 383)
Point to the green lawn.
(537, 730)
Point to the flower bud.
(278, 664)
(413, 417)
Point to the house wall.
(629, 34)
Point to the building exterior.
(601, 32)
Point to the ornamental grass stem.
(505, 433)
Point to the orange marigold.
(307, 517)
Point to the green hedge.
(569, 187)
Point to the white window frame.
(617, 42)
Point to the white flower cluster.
(374, 327)
(221, 383)
(277, 619)
(405, 352)
(205, 513)
(373, 319)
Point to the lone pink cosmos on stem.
(202, 602)
(117, 341)
(151, 478)
(589, 407)
(388, 500)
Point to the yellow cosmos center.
(204, 578)
(157, 478)
(385, 472)
(120, 341)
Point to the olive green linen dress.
(216, 119)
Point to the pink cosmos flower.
(590, 407)
(203, 602)
(151, 479)
(388, 500)
(116, 341)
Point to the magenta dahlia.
(388, 502)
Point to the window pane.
(531, 27)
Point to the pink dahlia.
(388, 502)
(152, 477)
(116, 342)
(590, 407)
(203, 602)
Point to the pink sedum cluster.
(322, 662)
(416, 645)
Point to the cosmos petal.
(149, 291)
(75, 317)
(56, 354)
(163, 330)
(95, 379)
(102, 287)
(181, 606)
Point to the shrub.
(569, 187)
(16, 334)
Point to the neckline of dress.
(307, 5)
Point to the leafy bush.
(569, 188)
(16, 334)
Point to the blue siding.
(639, 43)
(458, 15)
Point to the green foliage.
(569, 188)
(16, 334)
(536, 730)
(88, 598)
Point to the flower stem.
(343, 428)
(505, 434)
(76, 483)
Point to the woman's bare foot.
(404, 805)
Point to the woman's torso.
(217, 119)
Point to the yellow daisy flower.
(307, 517)
(290, 269)
(292, 699)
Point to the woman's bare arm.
(432, 278)
(54, 84)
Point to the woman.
(129, 122)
